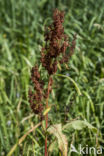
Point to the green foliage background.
(21, 38)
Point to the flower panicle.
(54, 52)
(56, 44)
(35, 98)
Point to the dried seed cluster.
(53, 53)
(35, 99)
(56, 44)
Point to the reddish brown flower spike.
(35, 98)
(56, 44)
(53, 53)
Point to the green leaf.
(27, 61)
(46, 111)
(75, 84)
(79, 125)
(3, 124)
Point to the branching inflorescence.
(52, 54)
(54, 51)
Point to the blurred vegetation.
(22, 25)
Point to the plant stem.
(46, 118)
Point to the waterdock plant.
(53, 53)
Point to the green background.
(22, 25)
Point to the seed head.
(56, 44)
(35, 98)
